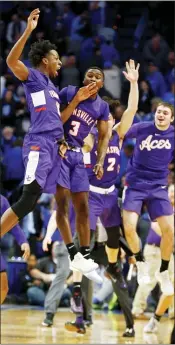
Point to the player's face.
(54, 63)
(171, 193)
(94, 75)
(163, 117)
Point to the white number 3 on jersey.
(74, 130)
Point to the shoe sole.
(46, 325)
(73, 328)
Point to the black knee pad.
(26, 204)
(113, 237)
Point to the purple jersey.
(16, 231)
(83, 118)
(44, 104)
(111, 163)
(152, 153)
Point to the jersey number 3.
(74, 130)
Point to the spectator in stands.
(68, 17)
(145, 96)
(8, 108)
(170, 96)
(112, 82)
(156, 49)
(14, 30)
(156, 79)
(38, 278)
(150, 116)
(170, 70)
(70, 73)
(109, 53)
(8, 138)
(80, 30)
(13, 164)
(95, 15)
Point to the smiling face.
(94, 75)
(52, 63)
(164, 116)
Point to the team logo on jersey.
(53, 94)
(150, 144)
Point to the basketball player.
(40, 150)
(73, 179)
(152, 256)
(146, 181)
(103, 196)
(22, 242)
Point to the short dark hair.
(39, 50)
(99, 69)
(113, 103)
(168, 105)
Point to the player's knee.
(82, 209)
(63, 207)
(28, 200)
(113, 234)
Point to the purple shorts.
(156, 200)
(104, 206)
(42, 162)
(73, 174)
(3, 265)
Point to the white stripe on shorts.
(33, 159)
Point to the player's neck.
(162, 128)
(43, 70)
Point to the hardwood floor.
(22, 325)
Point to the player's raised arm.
(132, 75)
(13, 62)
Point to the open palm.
(132, 73)
(33, 19)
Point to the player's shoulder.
(144, 126)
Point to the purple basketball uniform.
(40, 150)
(73, 174)
(16, 231)
(147, 170)
(103, 195)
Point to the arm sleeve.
(33, 82)
(104, 113)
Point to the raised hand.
(32, 20)
(132, 73)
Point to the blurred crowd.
(86, 34)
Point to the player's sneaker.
(152, 326)
(48, 321)
(94, 276)
(82, 264)
(142, 273)
(129, 333)
(75, 327)
(165, 283)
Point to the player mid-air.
(41, 144)
(146, 181)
